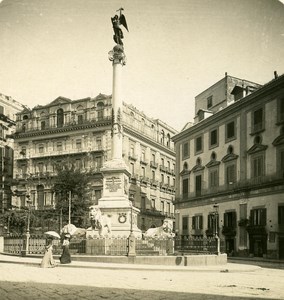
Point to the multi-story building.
(8, 109)
(230, 167)
(80, 130)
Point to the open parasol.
(52, 234)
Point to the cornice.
(229, 157)
(279, 140)
(257, 148)
(213, 163)
(148, 141)
(60, 130)
(233, 109)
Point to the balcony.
(243, 186)
(92, 122)
(143, 162)
(256, 229)
(163, 168)
(132, 156)
(154, 182)
(229, 231)
(153, 165)
(53, 153)
(144, 179)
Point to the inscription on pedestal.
(113, 183)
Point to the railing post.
(131, 245)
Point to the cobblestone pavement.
(18, 281)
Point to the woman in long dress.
(65, 256)
(47, 260)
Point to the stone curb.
(227, 268)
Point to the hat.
(67, 235)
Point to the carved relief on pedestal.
(113, 183)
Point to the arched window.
(100, 109)
(162, 137)
(257, 140)
(168, 140)
(230, 150)
(60, 117)
(213, 156)
(40, 196)
(198, 161)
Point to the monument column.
(115, 202)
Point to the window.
(153, 175)
(162, 206)
(257, 120)
(281, 163)
(197, 222)
(198, 144)
(257, 166)
(59, 146)
(281, 214)
(41, 148)
(162, 178)
(42, 125)
(153, 202)
(230, 130)
(143, 155)
(162, 162)
(230, 219)
(143, 171)
(213, 138)
(132, 168)
(78, 164)
(143, 203)
(185, 150)
(258, 217)
(185, 223)
(60, 117)
(100, 109)
(230, 174)
(80, 119)
(78, 144)
(162, 137)
(40, 167)
(209, 102)
(23, 151)
(281, 110)
(185, 184)
(168, 180)
(198, 185)
(153, 157)
(213, 178)
(99, 143)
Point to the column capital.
(117, 55)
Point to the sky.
(175, 50)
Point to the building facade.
(230, 167)
(8, 109)
(80, 131)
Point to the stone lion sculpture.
(99, 221)
(73, 231)
(166, 230)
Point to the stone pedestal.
(115, 201)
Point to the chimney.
(275, 75)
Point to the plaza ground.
(22, 278)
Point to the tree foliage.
(72, 183)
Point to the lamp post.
(26, 241)
(69, 208)
(216, 215)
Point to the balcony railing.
(276, 178)
(49, 153)
(65, 125)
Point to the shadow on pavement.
(33, 290)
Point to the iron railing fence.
(116, 246)
(198, 245)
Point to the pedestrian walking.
(65, 257)
(48, 260)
